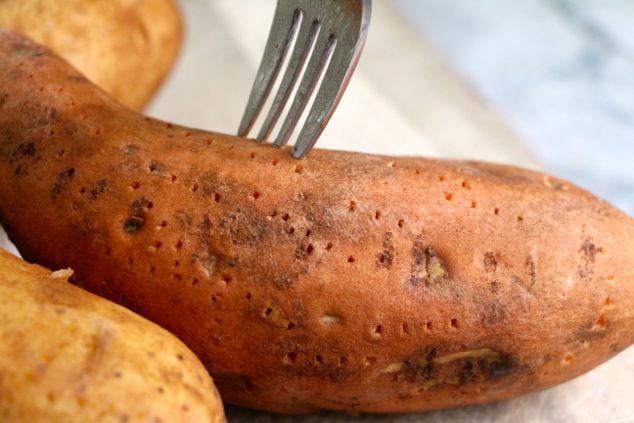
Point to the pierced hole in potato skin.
(275, 162)
(496, 211)
(428, 326)
(609, 303)
(417, 171)
(173, 177)
(216, 197)
(567, 359)
(401, 223)
(178, 244)
(343, 361)
(256, 195)
(82, 190)
(286, 217)
(291, 230)
(157, 244)
(194, 281)
(370, 361)
(329, 246)
(441, 178)
(474, 204)
(290, 358)
(448, 196)
(454, 323)
(268, 311)
(61, 153)
(378, 330)
(520, 218)
(176, 277)
(405, 329)
(194, 188)
(310, 249)
(253, 155)
(162, 225)
(601, 323)
(290, 326)
(466, 184)
(351, 259)
(226, 279)
(298, 169)
(377, 215)
(308, 233)
(319, 359)
(248, 296)
(353, 206)
(135, 185)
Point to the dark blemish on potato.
(427, 268)
(22, 151)
(98, 189)
(386, 257)
(157, 168)
(588, 253)
(504, 366)
(136, 220)
(63, 178)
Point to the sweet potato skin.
(346, 281)
(69, 356)
(127, 47)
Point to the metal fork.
(325, 30)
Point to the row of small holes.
(405, 328)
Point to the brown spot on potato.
(427, 268)
(63, 178)
(386, 258)
(98, 189)
(587, 256)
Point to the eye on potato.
(125, 47)
(67, 355)
(347, 281)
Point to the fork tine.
(305, 39)
(283, 30)
(338, 74)
(323, 49)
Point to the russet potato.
(69, 356)
(127, 47)
(346, 281)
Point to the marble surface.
(561, 72)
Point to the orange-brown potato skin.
(69, 356)
(345, 281)
(127, 47)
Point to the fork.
(326, 34)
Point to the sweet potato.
(345, 281)
(126, 47)
(69, 356)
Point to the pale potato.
(69, 356)
(127, 47)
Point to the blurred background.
(542, 84)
